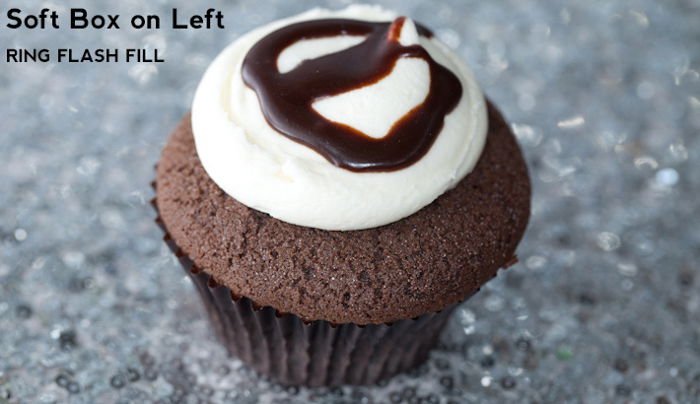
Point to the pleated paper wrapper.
(292, 351)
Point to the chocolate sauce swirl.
(286, 98)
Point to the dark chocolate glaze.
(286, 98)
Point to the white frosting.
(374, 109)
(313, 48)
(267, 171)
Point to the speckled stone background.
(603, 307)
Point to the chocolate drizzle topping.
(286, 98)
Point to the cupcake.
(340, 186)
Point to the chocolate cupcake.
(340, 186)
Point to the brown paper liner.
(318, 353)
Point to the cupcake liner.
(292, 351)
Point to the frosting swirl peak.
(338, 120)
